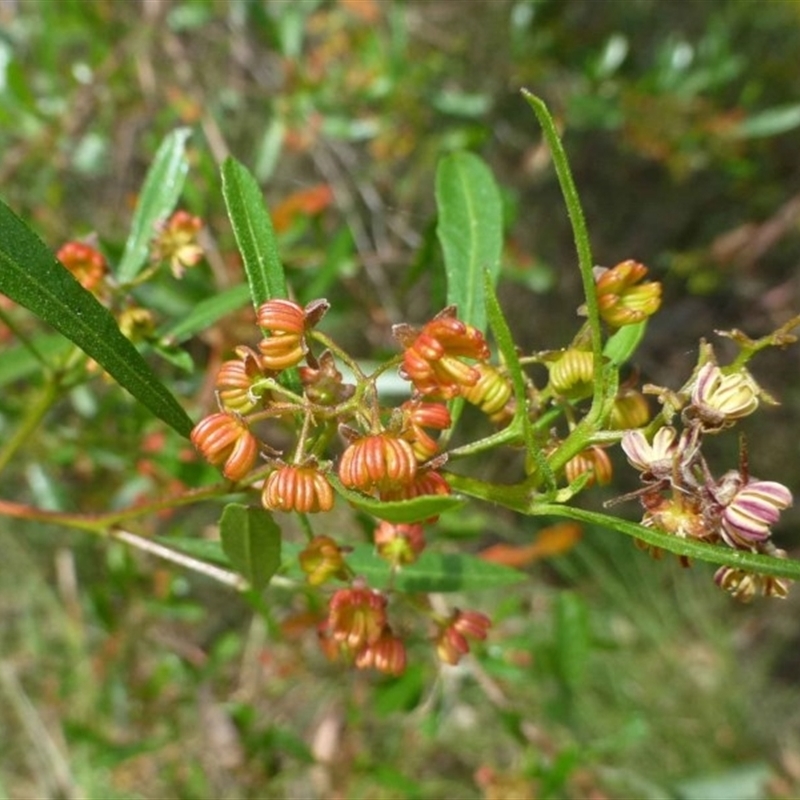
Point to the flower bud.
(281, 316)
(324, 385)
(136, 323)
(387, 654)
(224, 438)
(177, 243)
(621, 298)
(284, 321)
(400, 544)
(321, 560)
(463, 626)
(357, 616)
(85, 263)
(302, 489)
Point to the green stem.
(305, 524)
(584, 433)
(394, 361)
(33, 416)
(508, 350)
(691, 548)
(581, 237)
(344, 356)
(23, 338)
(511, 433)
(224, 576)
(299, 448)
(270, 384)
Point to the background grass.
(607, 674)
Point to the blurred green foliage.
(606, 675)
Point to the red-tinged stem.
(100, 523)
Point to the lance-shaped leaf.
(160, 192)
(416, 510)
(254, 234)
(437, 572)
(572, 640)
(31, 276)
(470, 230)
(252, 541)
(622, 344)
(432, 572)
(206, 313)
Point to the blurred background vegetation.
(607, 674)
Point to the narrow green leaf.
(582, 245)
(173, 355)
(206, 313)
(470, 231)
(160, 192)
(572, 640)
(405, 511)
(252, 541)
(622, 344)
(269, 151)
(31, 276)
(742, 782)
(770, 122)
(252, 228)
(433, 572)
(508, 350)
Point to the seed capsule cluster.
(391, 454)
(681, 496)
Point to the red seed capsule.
(302, 489)
(224, 438)
(380, 461)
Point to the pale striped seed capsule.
(753, 510)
